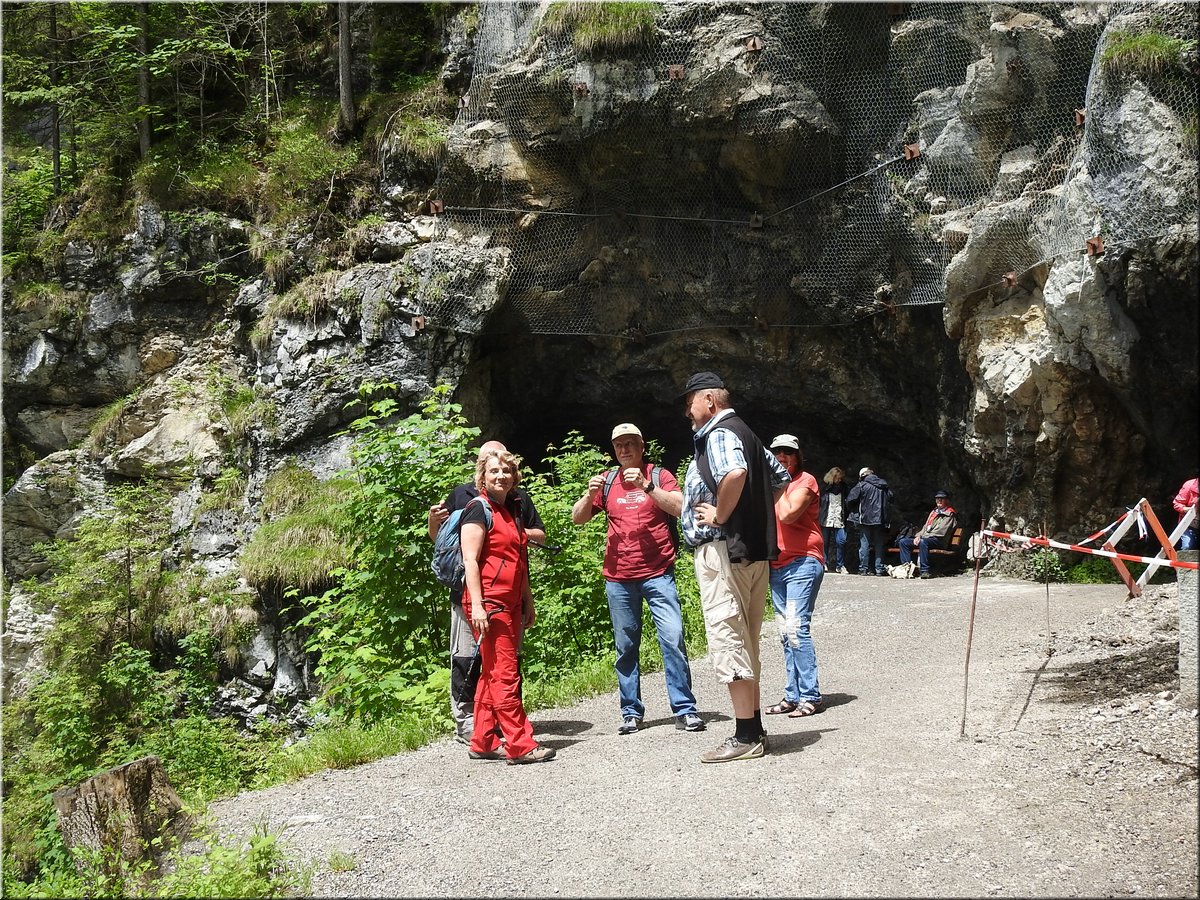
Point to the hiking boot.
(485, 754)
(926, 575)
(629, 725)
(689, 722)
(540, 753)
(733, 749)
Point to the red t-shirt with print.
(639, 539)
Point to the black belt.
(707, 541)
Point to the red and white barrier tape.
(1078, 548)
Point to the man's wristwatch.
(649, 488)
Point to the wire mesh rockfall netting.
(789, 164)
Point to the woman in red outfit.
(496, 566)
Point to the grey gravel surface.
(1076, 776)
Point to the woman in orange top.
(496, 569)
(795, 579)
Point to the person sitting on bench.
(933, 534)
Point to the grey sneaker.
(629, 725)
(689, 722)
(732, 749)
(540, 753)
(842, 570)
(485, 754)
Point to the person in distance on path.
(728, 516)
(639, 564)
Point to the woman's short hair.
(833, 475)
(513, 463)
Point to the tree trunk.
(347, 116)
(119, 812)
(143, 81)
(55, 111)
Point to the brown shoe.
(485, 754)
(539, 753)
(733, 749)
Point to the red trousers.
(498, 695)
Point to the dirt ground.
(1076, 777)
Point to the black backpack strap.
(609, 478)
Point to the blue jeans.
(835, 537)
(923, 547)
(872, 536)
(794, 589)
(625, 610)
(1189, 540)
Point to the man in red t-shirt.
(795, 579)
(639, 564)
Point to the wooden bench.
(949, 558)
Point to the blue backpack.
(447, 561)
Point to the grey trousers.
(462, 686)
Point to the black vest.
(750, 532)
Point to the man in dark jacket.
(869, 503)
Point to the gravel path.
(1077, 775)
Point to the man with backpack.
(463, 649)
(640, 500)
(869, 502)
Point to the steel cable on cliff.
(677, 184)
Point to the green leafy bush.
(114, 691)
(1044, 564)
(381, 629)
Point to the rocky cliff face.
(938, 318)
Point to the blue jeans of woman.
(794, 587)
(625, 610)
(834, 537)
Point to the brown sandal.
(805, 708)
(783, 706)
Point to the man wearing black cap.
(728, 516)
(933, 534)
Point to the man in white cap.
(870, 500)
(795, 580)
(640, 499)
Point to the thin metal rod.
(962, 727)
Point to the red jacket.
(1186, 498)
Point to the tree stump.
(120, 812)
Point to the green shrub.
(303, 540)
(1093, 570)
(302, 164)
(1044, 564)
(602, 26)
(28, 191)
(381, 628)
(113, 690)
(1146, 54)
